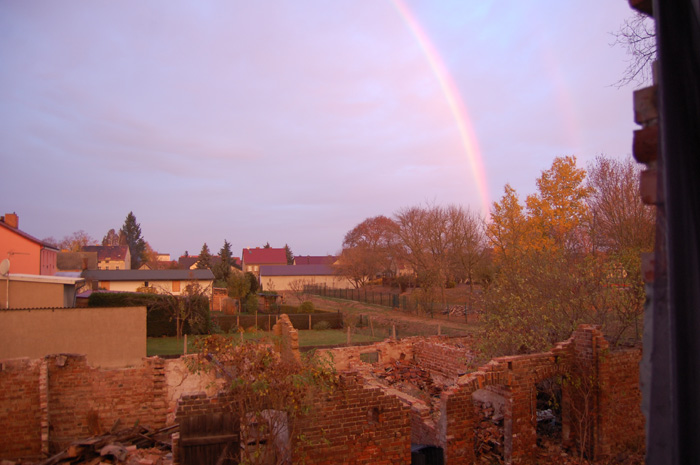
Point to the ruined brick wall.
(443, 357)
(78, 391)
(355, 425)
(346, 358)
(20, 412)
(622, 426)
(287, 343)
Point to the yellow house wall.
(281, 283)
(167, 286)
(110, 337)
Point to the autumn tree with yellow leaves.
(562, 258)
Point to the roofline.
(29, 237)
(38, 278)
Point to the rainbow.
(455, 102)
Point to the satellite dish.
(4, 267)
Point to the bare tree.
(637, 35)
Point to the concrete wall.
(27, 294)
(110, 337)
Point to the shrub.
(307, 306)
(251, 303)
(158, 321)
(321, 325)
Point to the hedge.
(158, 321)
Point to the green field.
(172, 346)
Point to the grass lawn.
(172, 346)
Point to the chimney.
(11, 219)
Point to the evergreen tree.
(290, 255)
(267, 246)
(223, 270)
(131, 232)
(204, 261)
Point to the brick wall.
(20, 413)
(617, 417)
(355, 425)
(622, 426)
(442, 357)
(78, 391)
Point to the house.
(169, 281)
(315, 260)
(38, 291)
(253, 259)
(26, 253)
(111, 257)
(76, 261)
(283, 277)
(189, 262)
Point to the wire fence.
(396, 301)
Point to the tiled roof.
(113, 252)
(148, 275)
(28, 236)
(296, 270)
(260, 256)
(314, 260)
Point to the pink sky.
(290, 122)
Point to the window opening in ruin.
(373, 416)
(422, 454)
(549, 413)
(490, 425)
(369, 357)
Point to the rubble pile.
(488, 432)
(137, 445)
(406, 376)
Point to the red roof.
(268, 256)
(113, 252)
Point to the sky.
(290, 122)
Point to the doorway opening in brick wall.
(492, 424)
(549, 413)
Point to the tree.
(238, 286)
(466, 245)
(556, 261)
(559, 209)
(637, 35)
(269, 393)
(131, 231)
(368, 251)
(204, 260)
(151, 257)
(267, 246)
(290, 255)
(299, 287)
(76, 241)
(113, 238)
(191, 307)
(620, 220)
(222, 270)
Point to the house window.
(117, 267)
(145, 284)
(176, 286)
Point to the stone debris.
(488, 432)
(407, 375)
(137, 445)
